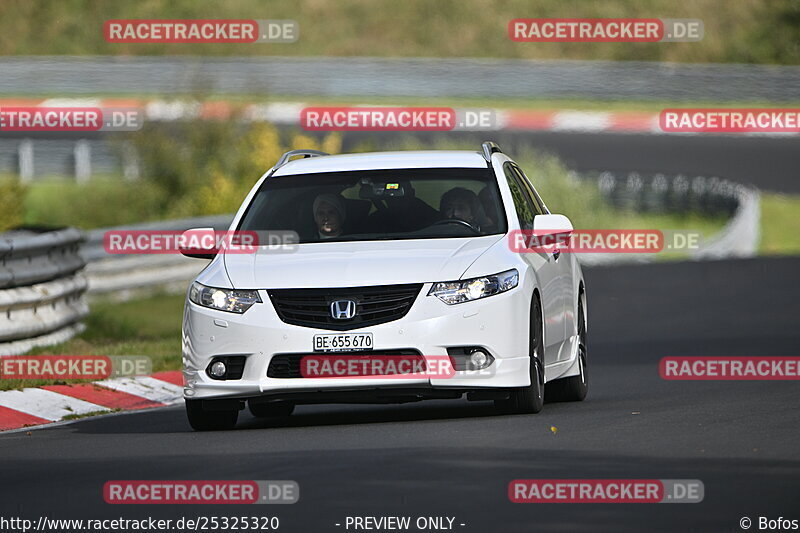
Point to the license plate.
(342, 342)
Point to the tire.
(204, 420)
(271, 409)
(574, 388)
(530, 399)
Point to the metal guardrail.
(92, 249)
(414, 77)
(41, 288)
(31, 255)
(120, 274)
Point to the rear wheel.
(204, 419)
(574, 388)
(271, 409)
(530, 399)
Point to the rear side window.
(541, 207)
(522, 202)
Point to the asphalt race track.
(454, 458)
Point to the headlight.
(456, 292)
(231, 300)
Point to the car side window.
(522, 202)
(541, 209)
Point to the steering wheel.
(455, 221)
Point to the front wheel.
(574, 388)
(530, 399)
(209, 420)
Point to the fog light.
(478, 358)
(469, 358)
(218, 369)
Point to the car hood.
(353, 264)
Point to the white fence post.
(25, 159)
(83, 161)
(130, 162)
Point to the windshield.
(379, 205)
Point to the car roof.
(384, 160)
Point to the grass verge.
(780, 224)
(104, 201)
(533, 104)
(745, 31)
(87, 415)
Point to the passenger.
(329, 214)
(462, 204)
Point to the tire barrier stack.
(42, 288)
(660, 193)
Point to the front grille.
(288, 365)
(311, 308)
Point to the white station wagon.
(401, 286)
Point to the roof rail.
(291, 153)
(490, 148)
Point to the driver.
(461, 204)
(329, 214)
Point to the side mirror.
(552, 225)
(551, 230)
(200, 243)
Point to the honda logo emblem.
(343, 309)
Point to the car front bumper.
(499, 324)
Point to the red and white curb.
(288, 113)
(581, 121)
(51, 403)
